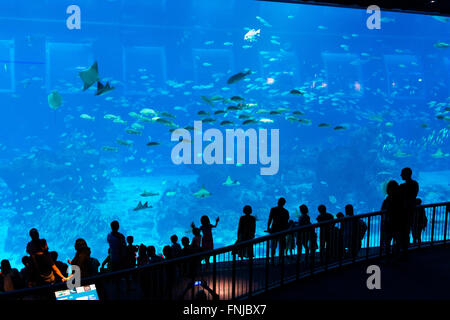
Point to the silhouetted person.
(117, 245)
(176, 248)
(196, 243)
(88, 266)
(187, 250)
(306, 237)
(131, 252)
(142, 255)
(207, 238)
(325, 232)
(107, 263)
(278, 221)
(339, 215)
(10, 277)
(419, 222)
(44, 265)
(153, 257)
(167, 252)
(34, 245)
(353, 230)
(290, 239)
(61, 265)
(391, 221)
(408, 190)
(246, 231)
(27, 273)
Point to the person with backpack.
(419, 222)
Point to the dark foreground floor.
(426, 275)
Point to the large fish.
(238, 77)
(54, 100)
(89, 76)
(102, 89)
(202, 193)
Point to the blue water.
(388, 88)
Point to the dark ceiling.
(433, 7)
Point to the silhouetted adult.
(153, 257)
(11, 279)
(278, 221)
(353, 228)
(325, 232)
(246, 231)
(44, 265)
(117, 246)
(419, 222)
(176, 248)
(391, 221)
(409, 190)
(306, 237)
(132, 250)
(34, 245)
(27, 273)
(88, 266)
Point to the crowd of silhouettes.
(403, 216)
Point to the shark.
(89, 76)
(102, 89)
(149, 194)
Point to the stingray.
(202, 193)
(102, 89)
(142, 207)
(230, 182)
(89, 76)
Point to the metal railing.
(242, 270)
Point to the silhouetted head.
(205, 220)
(304, 209)
(130, 240)
(26, 260)
(54, 255)
(185, 242)
(322, 209)
(80, 244)
(174, 239)
(281, 202)
(291, 222)
(5, 266)
(406, 174)
(196, 231)
(349, 210)
(34, 234)
(247, 210)
(115, 226)
(418, 201)
(151, 251)
(142, 250)
(167, 252)
(339, 215)
(391, 187)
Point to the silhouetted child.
(196, 243)
(142, 258)
(176, 248)
(290, 239)
(151, 252)
(187, 250)
(207, 239)
(131, 252)
(419, 222)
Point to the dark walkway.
(425, 276)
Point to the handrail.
(231, 249)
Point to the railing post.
(214, 272)
(267, 265)
(368, 237)
(233, 277)
(282, 250)
(250, 270)
(432, 225)
(299, 254)
(445, 225)
(313, 239)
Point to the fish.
(238, 77)
(132, 131)
(442, 19)
(141, 206)
(226, 122)
(324, 125)
(219, 112)
(203, 113)
(441, 45)
(230, 182)
(237, 98)
(265, 120)
(340, 128)
(146, 112)
(87, 117)
(202, 193)
(149, 194)
(89, 76)
(296, 92)
(127, 143)
(209, 120)
(440, 154)
(54, 100)
(152, 144)
(264, 22)
(251, 35)
(102, 89)
(112, 149)
(401, 154)
(250, 121)
(332, 199)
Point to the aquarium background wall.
(67, 172)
